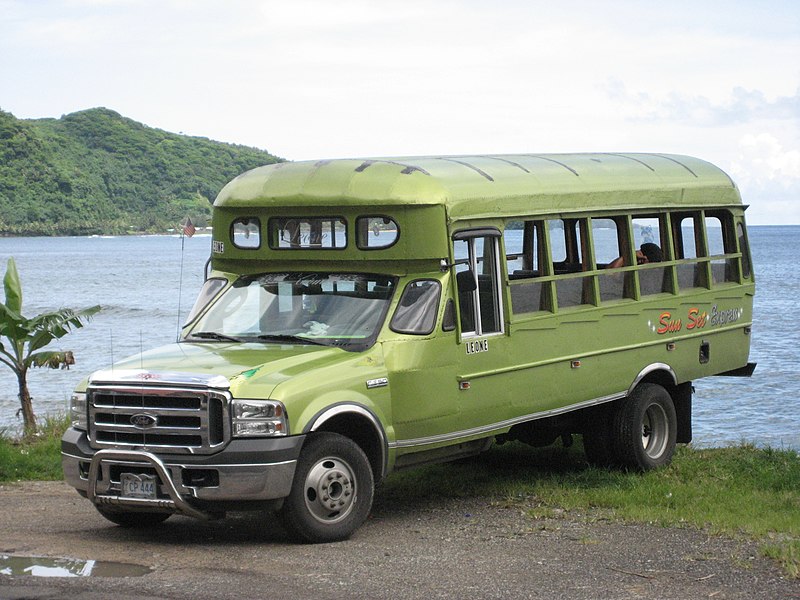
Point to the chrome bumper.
(94, 476)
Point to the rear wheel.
(645, 428)
(332, 490)
(133, 518)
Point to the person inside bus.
(647, 253)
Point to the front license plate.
(135, 485)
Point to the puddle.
(44, 566)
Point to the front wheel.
(645, 428)
(332, 490)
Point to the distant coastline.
(201, 232)
(207, 231)
(95, 172)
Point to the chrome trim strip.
(355, 408)
(145, 377)
(234, 465)
(649, 369)
(171, 465)
(73, 456)
(484, 429)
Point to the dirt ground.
(437, 549)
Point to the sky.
(309, 79)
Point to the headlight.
(256, 418)
(77, 411)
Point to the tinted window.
(416, 312)
(246, 233)
(744, 249)
(210, 289)
(307, 233)
(376, 232)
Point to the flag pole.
(187, 230)
(180, 280)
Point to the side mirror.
(465, 280)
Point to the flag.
(189, 228)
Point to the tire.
(645, 428)
(332, 490)
(598, 440)
(133, 519)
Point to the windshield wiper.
(213, 335)
(285, 337)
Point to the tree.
(21, 339)
(96, 171)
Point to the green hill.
(95, 171)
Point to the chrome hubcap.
(330, 490)
(655, 431)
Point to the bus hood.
(259, 367)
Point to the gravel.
(443, 548)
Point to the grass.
(740, 490)
(33, 458)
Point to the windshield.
(343, 309)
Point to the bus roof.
(488, 185)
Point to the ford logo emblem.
(143, 421)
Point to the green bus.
(367, 315)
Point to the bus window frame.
(624, 248)
(577, 264)
(274, 239)
(743, 246)
(492, 238)
(362, 231)
(233, 235)
(534, 282)
(700, 277)
(541, 284)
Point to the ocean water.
(139, 282)
(147, 285)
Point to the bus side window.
(527, 293)
(478, 283)
(515, 251)
(558, 245)
(721, 245)
(570, 243)
(687, 241)
(648, 239)
(524, 250)
(744, 248)
(609, 236)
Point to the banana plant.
(22, 339)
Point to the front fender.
(354, 406)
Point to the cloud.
(744, 130)
(762, 158)
(741, 106)
(768, 176)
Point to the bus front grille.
(161, 419)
